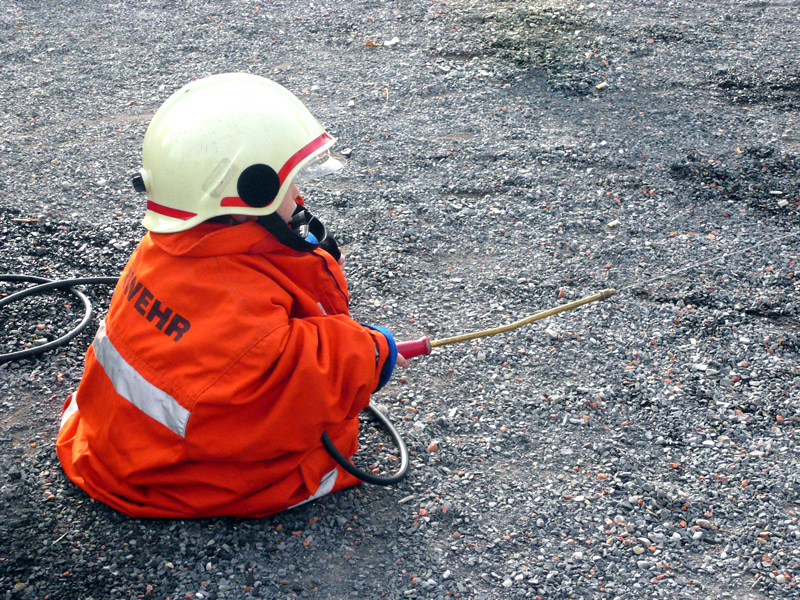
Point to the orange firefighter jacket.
(222, 359)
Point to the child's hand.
(402, 361)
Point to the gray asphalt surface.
(506, 157)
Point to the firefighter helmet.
(225, 144)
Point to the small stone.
(704, 523)
(638, 550)
(508, 583)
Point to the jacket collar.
(216, 239)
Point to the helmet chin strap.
(304, 233)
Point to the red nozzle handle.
(413, 348)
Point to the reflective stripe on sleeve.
(129, 384)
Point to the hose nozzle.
(412, 348)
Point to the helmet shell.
(225, 144)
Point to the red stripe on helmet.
(234, 201)
(301, 154)
(175, 213)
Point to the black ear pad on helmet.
(258, 185)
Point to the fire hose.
(409, 349)
(424, 345)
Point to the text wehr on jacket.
(160, 317)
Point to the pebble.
(704, 523)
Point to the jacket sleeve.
(303, 377)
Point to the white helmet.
(225, 144)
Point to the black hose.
(363, 475)
(47, 285)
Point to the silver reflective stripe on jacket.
(71, 409)
(129, 384)
(325, 487)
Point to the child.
(228, 348)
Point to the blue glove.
(388, 366)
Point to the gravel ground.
(506, 157)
